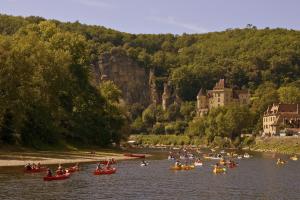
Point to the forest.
(48, 95)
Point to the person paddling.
(49, 172)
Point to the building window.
(218, 99)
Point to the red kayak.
(105, 162)
(135, 155)
(105, 171)
(57, 177)
(231, 165)
(72, 169)
(36, 170)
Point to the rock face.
(134, 81)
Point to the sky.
(163, 16)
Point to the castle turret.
(202, 103)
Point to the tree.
(289, 94)
(110, 91)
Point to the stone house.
(220, 95)
(281, 116)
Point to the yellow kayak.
(176, 168)
(219, 170)
(188, 167)
(183, 167)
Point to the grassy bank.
(172, 140)
(284, 145)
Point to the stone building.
(281, 116)
(220, 95)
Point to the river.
(255, 178)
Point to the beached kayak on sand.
(135, 155)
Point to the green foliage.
(149, 115)
(7, 128)
(110, 91)
(45, 86)
(173, 112)
(187, 110)
(289, 94)
(45, 68)
(158, 128)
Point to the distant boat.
(246, 155)
(294, 158)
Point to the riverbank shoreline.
(281, 145)
(20, 158)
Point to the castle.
(281, 116)
(220, 95)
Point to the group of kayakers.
(32, 166)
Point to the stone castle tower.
(202, 103)
(220, 95)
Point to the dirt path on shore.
(45, 157)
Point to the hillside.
(263, 60)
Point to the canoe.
(57, 177)
(105, 171)
(36, 170)
(219, 170)
(135, 155)
(72, 169)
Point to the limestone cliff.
(134, 81)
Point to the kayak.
(57, 177)
(197, 164)
(135, 155)
(105, 171)
(219, 170)
(188, 167)
(280, 162)
(232, 165)
(183, 167)
(222, 162)
(72, 169)
(144, 164)
(36, 170)
(294, 158)
(176, 168)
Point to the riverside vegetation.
(48, 94)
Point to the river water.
(255, 178)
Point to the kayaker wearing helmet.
(28, 167)
(98, 167)
(49, 172)
(177, 164)
(59, 170)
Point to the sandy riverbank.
(50, 157)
